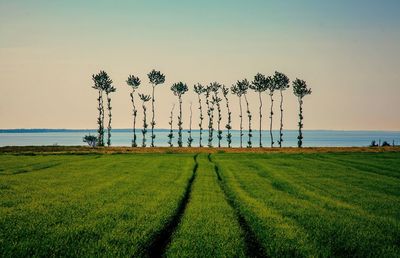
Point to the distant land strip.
(47, 130)
(33, 150)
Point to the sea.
(123, 137)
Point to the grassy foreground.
(308, 204)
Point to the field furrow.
(209, 227)
(159, 243)
(278, 235)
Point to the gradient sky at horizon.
(347, 51)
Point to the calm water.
(122, 137)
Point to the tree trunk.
(249, 117)
(260, 111)
(171, 133)
(100, 141)
(134, 144)
(109, 121)
(212, 126)
(270, 117)
(281, 125)
(190, 139)
(144, 131)
(180, 122)
(153, 123)
(219, 120)
(210, 112)
(228, 125)
(209, 119)
(241, 122)
(300, 137)
(201, 122)
(102, 121)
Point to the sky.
(348, 52)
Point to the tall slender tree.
(156, 78)
(215, 87)
(271, 88)
(144, 98)
(200, 89)
(171, 131)
(179, 89)
(281, 82)
(259, 85)
(190, 138)
(101, 80)
(97, 86)
(228, 126)
(210, 114)
(235, 90)
(300, 90)
(109, 89)
(134, 83)
(250, 134)
(240, 89)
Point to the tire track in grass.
(159, 243)
(253, 246)
(347, 229)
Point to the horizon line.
(193, 129)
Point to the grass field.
(309, 204)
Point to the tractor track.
(253, 246)
(159, 243)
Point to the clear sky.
(348, 51)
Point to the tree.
(200, 89)
(250, 134)
(300, 90)
(281, 82)
(156, 78)
(259, 85)
(109, 89)
(210, 114)
(134, 83)
(97, 79)
(228, 126)
(179, 89)
(91, 140)
(144, 99)
(240, 89)
(235, 90)
(101, 80)
(171, 131)
(215, 86)
(190, 139)
(271, 88)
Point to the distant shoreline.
(33, 150)
(46, 130)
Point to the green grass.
(318, 204)
(286, 204)
(107, 205)
(209, 226)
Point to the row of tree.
(213, 94)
